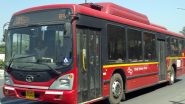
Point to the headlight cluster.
(63, 83)
(7, 79)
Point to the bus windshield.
(39, 47)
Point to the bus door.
(88, 60)
(161, 50)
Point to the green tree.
(2, 48)
(183, 30)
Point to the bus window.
(168, 46)
(20, 43)
(116, 44)
(174, 47)
(149, 47)
(183, 46)
(134, 46)
(180, 47)
(25, 43)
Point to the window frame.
(155, 47)
(135, 29)
(123, 27)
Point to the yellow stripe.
(174, 57)
(132, 64)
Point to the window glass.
(20, 43)
(183, 45)
(168, 46)
(51, 45)
(180, 47)
(149, 46)
(15, 43)
(134, 46)
(174, 47)
(25, 43)
(116, 44)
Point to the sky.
(161, 12)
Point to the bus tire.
(123, 96)
(116, 89)
(172, 76)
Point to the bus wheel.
(116, 89)
(172, 76)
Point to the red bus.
(69, 53)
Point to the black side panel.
(162, 59)
(93, 22)
(89, 64)
(39, 76)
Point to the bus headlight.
(7, 79)
(64, 82)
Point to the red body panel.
(66, 98)
(180, 65)
(133, 75)
(91, 12)
(139, 76)
(158, 26)
(45, 7)
(117, 10)
(99, 14)
(137, 83)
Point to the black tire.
(123, 96)
(172, 76)
(116, 89)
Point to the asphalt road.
(159, 94)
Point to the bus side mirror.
(5, 32)
(67, 29)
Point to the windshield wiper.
(13, 58)
(54, 70)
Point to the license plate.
(30, 94)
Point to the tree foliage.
(183, 30)
(2, 64)
(2, 48)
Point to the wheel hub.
(172, 76)
(116, 89)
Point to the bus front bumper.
(54, 96)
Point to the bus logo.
(130, 71)
(29, 78)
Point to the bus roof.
(109, 11)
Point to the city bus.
(83, 53)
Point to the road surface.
(159, 94)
